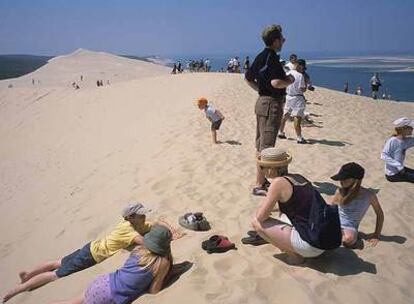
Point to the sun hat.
(135, 208)
(349, 170)
(274, 157)
(158, 240)
(403, 122)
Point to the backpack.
(324, 228)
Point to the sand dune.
(62, 71)
(72, 159)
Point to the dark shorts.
(269, 112)
(76, 261)
(216, 125)
(375, 87)
(407, 176)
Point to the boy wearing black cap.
(353, 201)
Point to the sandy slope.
(71, 159)
(62, 71)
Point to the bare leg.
(283, 123)
(214, 136)
(260, 177)
(33, 283)
(46, 267)
(298, 128)
(278, 234)
(349, 237)
(78, 300)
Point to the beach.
(72, 159)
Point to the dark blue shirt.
(266, 67)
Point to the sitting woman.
(144, 271)
(394, 152)
(295, 196)
(353, 201)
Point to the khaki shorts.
(269, 112)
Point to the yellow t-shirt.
(120, 238)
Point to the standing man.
(246, 65)
(375, 84)
(295, 101)
(268, 78)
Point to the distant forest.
(12, 66)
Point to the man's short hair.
(293, 56)
(271, 33)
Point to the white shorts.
(302, 247)
(295, 106)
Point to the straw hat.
(274, 158)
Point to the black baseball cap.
(349, 170)
(301, 62)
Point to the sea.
(333, 70)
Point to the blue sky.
(163, 27)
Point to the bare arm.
(175, 232)
(220, 114)
(379, 222)
(282, 83)
(139, 240)
(274, 195)
(334, 200)
(159, 277)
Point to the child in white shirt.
(212, 115)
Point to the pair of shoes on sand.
(254, 239)
(218, 244)
(261, 190)
(194, 221)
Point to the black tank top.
(297, 208)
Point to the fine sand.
(71, 159)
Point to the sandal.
(217, 244)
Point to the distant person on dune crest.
(375, 84)
(359, 91)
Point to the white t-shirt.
(295, 88)
(394, 154)
(375, 81)
(211, 113)
(290, 66)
